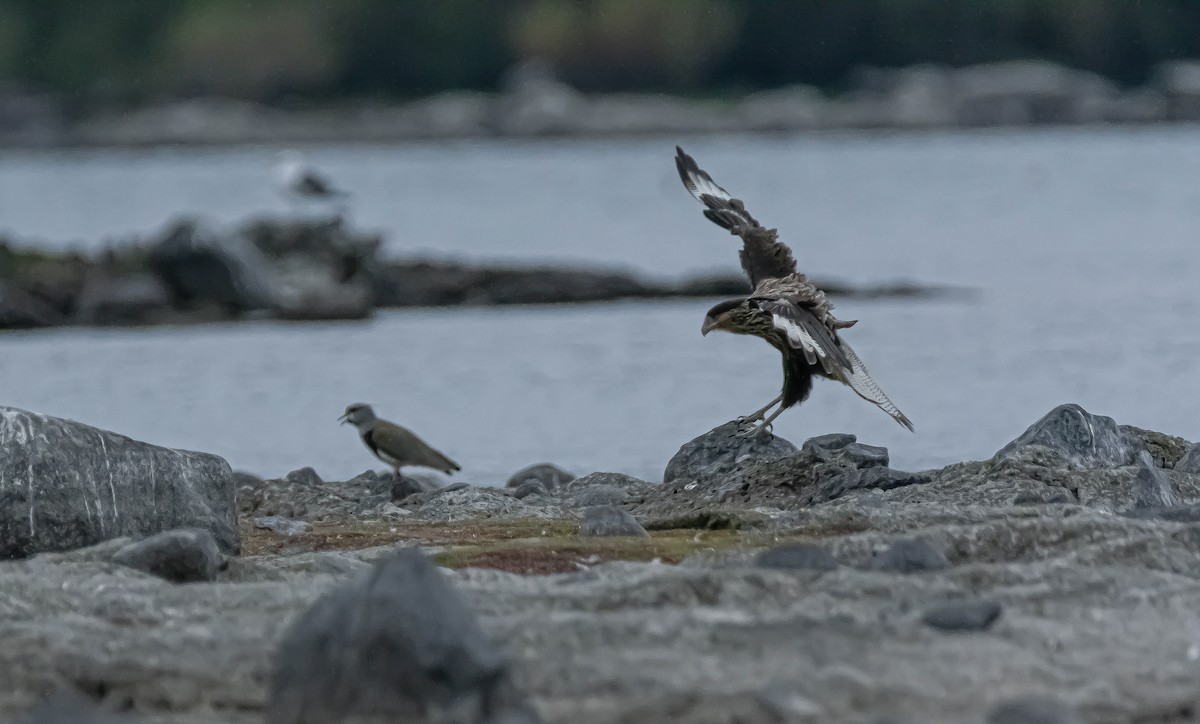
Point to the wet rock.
(608, 520)
(1032, 710)
(179, 556)
(528, 488)
(281, 524)
(717, 452)
(66, 485)
(1151, 487)
(1044, 497)
(1190, 462)
(1078, 437)
(550, 476)
(407, 648)
(913, 555)
(797, 556)
(963, 615)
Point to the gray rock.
(407, 647)
(963, 615)
(717, 452)
(180, 556)
(797, 556)
(1080, 438)
(825, 447)
(1044, 497)
(1032, 710)
(70, 707)
(551, 476)
(135, 299)
(912, 555)
(1151, 487)
(1190, 462)
(21, 310)
(407, 485)
(281, 524)
(866, 456)
(528, 488)
(66, 485)
(304, 476)
(597, 495)
(203, 265)
(608, 520)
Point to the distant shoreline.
(1015, 94)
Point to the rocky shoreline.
(532, 103)
(303, 269)
(759, 581)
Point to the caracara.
(783, 308)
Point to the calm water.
(1083, 245)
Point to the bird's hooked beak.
(710, 323)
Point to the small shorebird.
(298, 180)
(784, 308)
(395, 445)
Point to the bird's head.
(721, 316)
(357, 414)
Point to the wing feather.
(387, 436)
(763, 255)
(867, 388)
(806, 333)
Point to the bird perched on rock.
(393, 444)
(299, 180)
(783, 308)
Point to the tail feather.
(860, 380)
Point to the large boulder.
(407, 648)
(65, 485)
(1079, 438)
(717, 452)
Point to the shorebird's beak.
(709, 325)
(343, 419)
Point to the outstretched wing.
(806, 333)
(763, 255)
(859, 380)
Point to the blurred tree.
(132, 50)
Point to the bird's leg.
(759, 414)
(764, 426)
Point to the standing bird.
(299, 180)
(393, 444)
(783, 308)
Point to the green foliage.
(133, 50)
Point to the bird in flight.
(297, 179)
(784, 308)
(395, 445)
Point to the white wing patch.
(701, 185)
(800, 339)
(861, 382)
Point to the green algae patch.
(569, 553)
(359, 534)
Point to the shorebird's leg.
(759, 414)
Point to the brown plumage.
(397, 446)
(783, 308)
